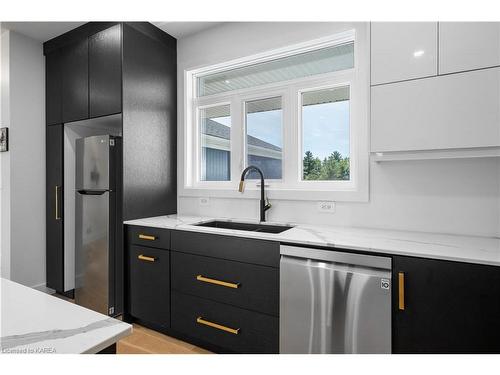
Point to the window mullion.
(289, 138)
(237, 139)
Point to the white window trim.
(290, 186)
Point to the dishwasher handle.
(372, 261)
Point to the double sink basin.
(250, 227)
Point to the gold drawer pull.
(146, 258)
(146, 237)
(401, 288)
(234, 331)
(217, 282)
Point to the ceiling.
(43, 31)
(182, 29)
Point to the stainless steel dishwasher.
(334, 302)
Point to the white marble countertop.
(35, 322)
(480, 250)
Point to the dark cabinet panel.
(54, 208)
(149, 126)
(266, 253)
(148, 236)
(149, 285)
(239, 284)
(449, 307)
(105, 72)
(227, 327)
(53, 87)
(75, 83)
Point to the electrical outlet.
(327, 207)
(204, 201)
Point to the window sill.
(278, 194)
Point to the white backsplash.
(460, 196)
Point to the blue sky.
(326, 128)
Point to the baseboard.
(43, 288)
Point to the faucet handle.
(268, 204)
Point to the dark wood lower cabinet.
(449, 307)
(227, 327)
(243, 285)
(215, 291)
(149, 285)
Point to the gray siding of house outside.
(218, 164)
(271, 168)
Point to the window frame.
(291, 186)
(254, 97)
(323, 184)
(198, 145)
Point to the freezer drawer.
(92, 251)
(334, 302)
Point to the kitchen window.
(215, 143)
(325, 134)
(300, 114)
(264, 137)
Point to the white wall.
(4, 158)
(23, 173)
(448, 196)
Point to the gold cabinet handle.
(217, 282)
(401, 288)
(234, 331)
(146, 237)
(58, 215)
(146, 258)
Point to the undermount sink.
(265, 228)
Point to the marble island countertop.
(470, 249)
(35, 322)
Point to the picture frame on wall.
(4, 139)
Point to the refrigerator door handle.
(92, 192)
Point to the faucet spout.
(264, 206)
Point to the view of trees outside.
(333, 167)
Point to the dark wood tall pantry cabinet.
(100, 69)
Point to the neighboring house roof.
(216, 129)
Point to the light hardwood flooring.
(147, 341)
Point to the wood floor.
(146, 341)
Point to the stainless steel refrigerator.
(98, 232)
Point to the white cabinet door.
(403, 50)
(468, 45)
(453, 111)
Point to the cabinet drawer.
(227, 327)
(149, 285)
(244, 285)
(147, 236)
(266, 253)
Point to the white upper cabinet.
(402, 51)
(468, 45)
(455, 111)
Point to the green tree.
(312, 166)
(333, 167)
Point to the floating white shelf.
(462, 153)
